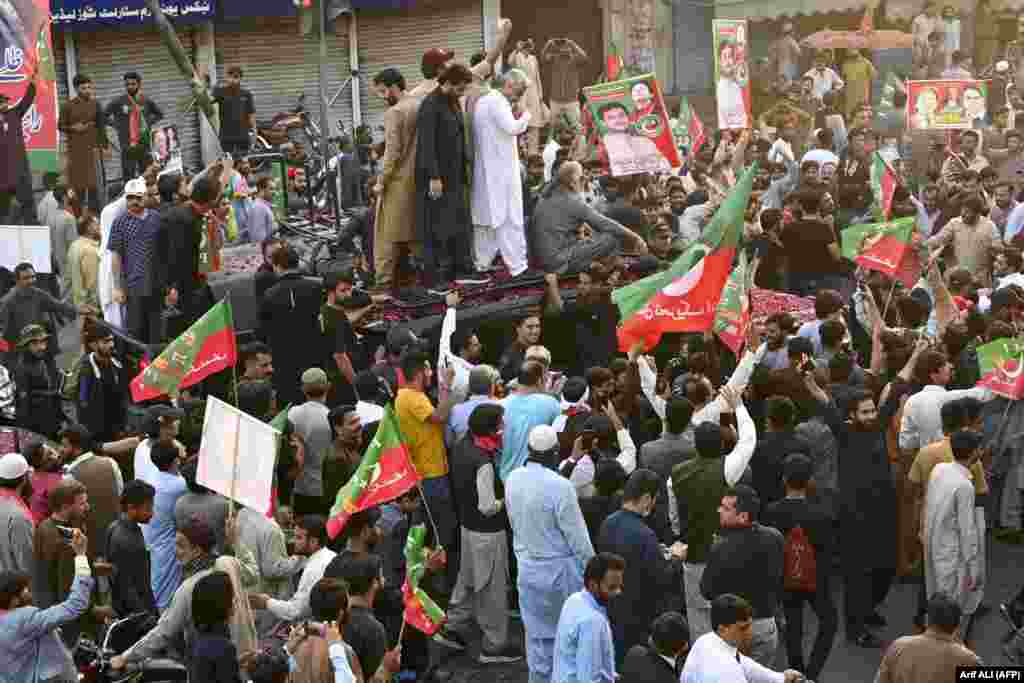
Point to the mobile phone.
(66, 532)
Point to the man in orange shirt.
(423, 427)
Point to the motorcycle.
(93, 661)
(292, 132)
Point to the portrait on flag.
(946, 105)
(632, 126)
(732, 73)
(165, 146)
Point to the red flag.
(385, 473)
(684, 298)
(4, 346)
(884, 182)
(885, 247)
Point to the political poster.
(25, 244)
(632, 126)
(26, 46)
(946, 105)
(165, 146)
(237, 455)
(732, 73)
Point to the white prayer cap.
(543, 439)
(135, 186)
(13, 466)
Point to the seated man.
(557, 219)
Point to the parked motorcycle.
(293, 132)
(93, 661)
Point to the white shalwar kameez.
(952, 544)
(112, 313)
(497, 192)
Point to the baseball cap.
(14, 466)
(135, 187)
(543, 438)
(436, 57)
(314, 376)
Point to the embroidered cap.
(13, 466)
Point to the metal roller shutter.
(60, 64)
(279, 65)
(105, 55)
(393, 39)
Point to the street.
(847, 663)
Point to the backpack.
(800, 562)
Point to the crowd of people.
(650, 517)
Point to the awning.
(95, 13)
(766, 10)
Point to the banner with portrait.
(25, 46)
(632, 126)
(732, 73)
(165, 146)
(947, 105)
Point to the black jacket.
(102, 397)
(14, 169)
(118, 111)
(176, 258)
(729, 566)
(790, 513)
(37, 399)
(290, 325)
(644, 665)
(130, 587)
(651, 581)
(766, 464)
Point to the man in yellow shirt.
(956, 415)
(422, 428)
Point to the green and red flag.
(420, 610)
(732, 316)
(886, 247)
(691, 127)
(204, 349)
(884, 182)
(684, 297)
(385, 473)
(614, 63)
(1001, 363)
(280, 423)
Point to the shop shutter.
(694, 62)
(106, 54)
(279, 65)
(60, 64)
(399, 39)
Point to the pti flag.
(26, 46)
(688, 128)
(886, 247)
(420, 610)
(202, 350)
(883, 184)
(684, 298)
(1001, 363)
(385, 473)
(732, 316)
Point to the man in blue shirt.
(483, 380)
(551, 543)
(527, 408)
(584, 652)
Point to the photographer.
(29, 647)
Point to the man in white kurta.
(497, 200)
(113, 312)
(952, 558)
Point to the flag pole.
(888, 300)
(430, 516)
(401, 631)
(234, 471)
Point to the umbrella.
(860, 40)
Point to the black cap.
(797, 467)
(162, 410)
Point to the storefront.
(110, 38)
(398, 38)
